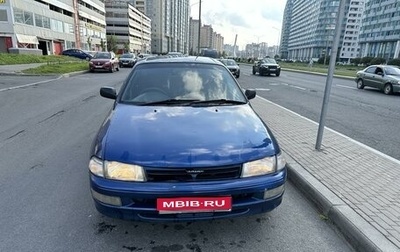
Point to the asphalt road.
(46, 131)
(368, 115)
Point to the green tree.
(395, 62)
(102, 44)
(126, 47)
(366, 60)
(356, 61)
(89, 42)
(112, 43)
(377, 61)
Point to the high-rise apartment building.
(309, 27)
(51, 26)
(350, 48)
(130, 27)
(380, 31)
(169, 26)
(194, 26)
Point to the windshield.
(127, 56)
(102, 55)
(267, 60)
(392, 71)
(156, 82)
(230, 63)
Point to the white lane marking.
(263, 89)
(29, 84)
(334, 131)
(298, 87)
(346, 87)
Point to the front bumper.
(396, 88)
(264, 70)
(138, 200)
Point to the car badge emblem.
(194, 173)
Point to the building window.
(3, 15)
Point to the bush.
(395, 62)
(322, 59)
(366, 60)
(356, 61)
(377, 61)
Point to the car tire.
(121, 66)
(360, 84)
(237, 76)
(277, 74)
(254, 71)
(117, 68)
(388, 89)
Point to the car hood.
(100, 60)
(232, 67)
(184, 136)
(270, 64)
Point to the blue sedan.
(182, 143)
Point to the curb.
(356, 230)
(66, 75)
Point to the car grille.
(272, 67)
(233, 70)
(192, 174)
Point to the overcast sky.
(253, 20)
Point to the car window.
(127, 56)
(230, 63)
(270, 61)
(155, 82)
(102, 55)
(370, 70)
(378, 70)
(392, 71)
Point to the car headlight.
(116, 170)
(278, 66)
(263, 166)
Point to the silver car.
(383, 77)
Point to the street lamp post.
(198, 39)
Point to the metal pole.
(331, 69)
(198, 45)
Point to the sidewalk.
(17, 69)
(356, 187)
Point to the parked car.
(266, 66)
(104, 61)
(77, 53)
(232, 66)
(383, 77)
(182, 143)
(127, 60)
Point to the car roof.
(189, 59)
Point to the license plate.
(194, 204)
(99, 66)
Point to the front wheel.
(277, 74)
(254, 71)
(388, 89)
(360, 84)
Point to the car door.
(369, 75)
(378, 78)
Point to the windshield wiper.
(170, 102)
(219, 102)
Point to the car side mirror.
(108, 92)
(250, 93)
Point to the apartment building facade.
(194, 26)
(130, 27)
(380, 31)
(51, 26)
(169, 26)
